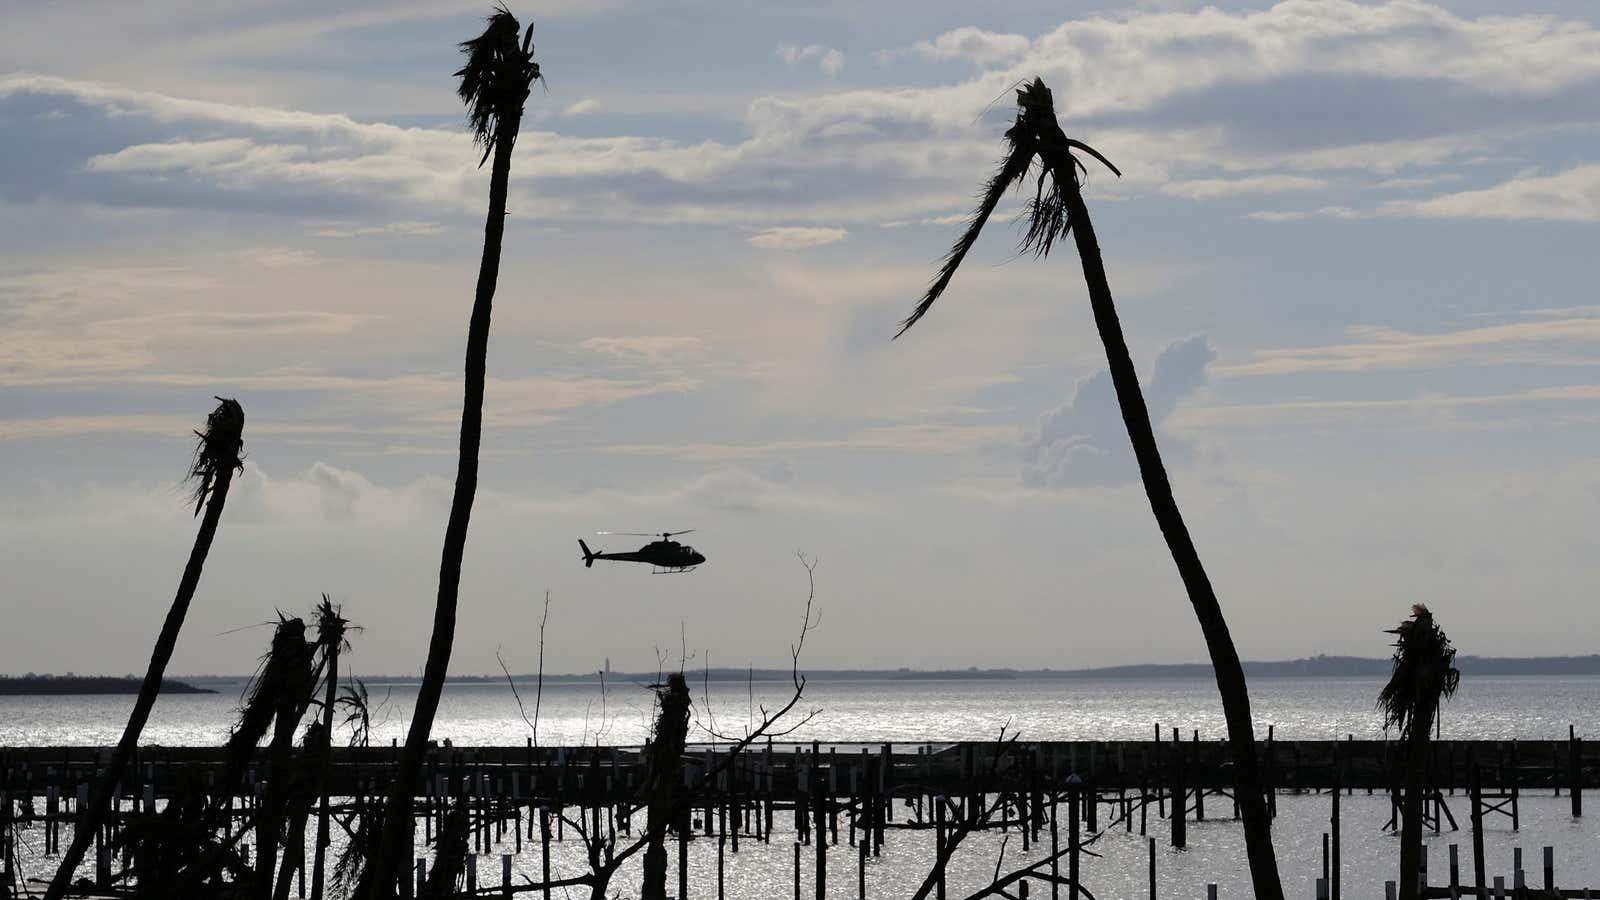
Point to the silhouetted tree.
(331, 629)
(1424, 674)
(494, 85)
(1036, 139)
(217, 456)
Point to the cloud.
(582, 108)
(796, 238)
(338, 229)
(974, 45)
(653, 348)
(828, 59)
(1300, 215)
(280, 257)
(1210, 103)
(1569, 196)
(1215, 188)
(1556, 341)
(1083, 442)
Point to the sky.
(1352, 248)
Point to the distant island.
(87, 684)
(1321, 666)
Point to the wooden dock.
(813, 792)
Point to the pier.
(822, 796)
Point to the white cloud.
(1215, 188)
(794, 238)
(973, 44)
(1569, 196)
(351, 229)
(828, 59)
(1299, 215)
(582, 108)
(281, 257)
(1084, 442)
(646, 348)
(1537, 342)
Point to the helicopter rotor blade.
(676, 533)
(630, 533)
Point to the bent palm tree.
(1057, 208)
(494, 84)
(1424, 674)
(217, 456)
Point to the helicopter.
(665, 556)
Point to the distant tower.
(608, 665)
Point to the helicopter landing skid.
(671, 570)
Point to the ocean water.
(850, 711)
(917, 711)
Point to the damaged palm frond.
(357, 704)
(1424, 673)
(496, 78)
(1035, 137)
(220, 448)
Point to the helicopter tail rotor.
(588, 555)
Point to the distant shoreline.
(68, 685)
(1313, 667)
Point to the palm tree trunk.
(398, 826)
(325, 778)
(99, 804)
(1411, 804)
(1225, 664)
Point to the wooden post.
(1152, 846)
(1180, 799)
(938, 844)
(1333, 826)
(796, 870)
(1499, 887)
(820, 840)
(1549, 869)
(684, 830)
(1455, 873)
(1575, 771)
(544, 848)
(861, 871)
(1324, 880)
(1055, 849)
(722, 845)
(1074, 788)
(422, 875)
(1478, 872)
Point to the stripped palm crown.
(1424, 672)
(1036, 136)
(221, 447)
(496, 77)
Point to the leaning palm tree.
(1424, 674)
(218, 454)
(1036, 139)
(495, 82)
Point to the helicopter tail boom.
(588, 555)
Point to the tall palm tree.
(217, 455)
(494, 85)
(1036, 139)
(1424, 674)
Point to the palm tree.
(494, 85)
(331, 629)
(218, 454)
(1424, 674)
(1057, 208)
